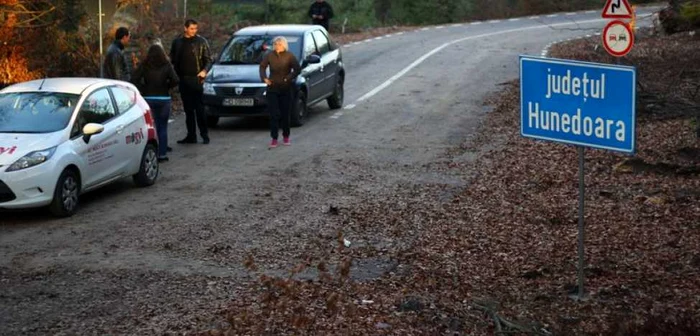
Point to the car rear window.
(250, 49)
(36, 112)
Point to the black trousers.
(279, 107)
(194, 112)
(323, 23)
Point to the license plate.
(238, 102)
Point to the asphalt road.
(154, 260)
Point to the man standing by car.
(114, 66)
(320, 13)
(191, 58)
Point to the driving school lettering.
(135, 138)
(8, 150)
(98, 153)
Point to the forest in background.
(61, 37)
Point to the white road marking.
(534, 17)
(445, 45)
(514, 19)
(399, 33)
(439, 27)
(494, 21)
(349, 107)
(456, 25)
(389, 35)
(377, 38)
(424, 29)
(570, 13)
(552, 15)
(476, 23)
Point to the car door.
(100, 155)
(328, 62)
(312, 72)
(131, 122)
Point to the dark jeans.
(160, 109)
(194, 112)
(278, 105)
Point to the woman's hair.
(156, 57)
(281, 40)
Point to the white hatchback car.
(61, 137)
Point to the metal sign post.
(579, 103)
(581, 194)
(99, 15)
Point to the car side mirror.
(313, 59)
(91, 129)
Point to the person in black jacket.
(114, 66)
(154, 78)
(191, 58)
(284, 70)
(320, 13)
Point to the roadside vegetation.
(61, 37)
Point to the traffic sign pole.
(581, 198)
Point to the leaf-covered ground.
(500, 255)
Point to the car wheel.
(148, 172)
(336, 100)
(212, 121)
(66, 196)
(299, 111)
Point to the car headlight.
(209, 89)
(32, 159)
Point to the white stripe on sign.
(445, 45)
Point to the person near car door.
(284, 69)
(114, 65)
(154, 78)
(190, 56)
(321, 13)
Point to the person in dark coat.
(191, 58)
(284, 70)
(320, 13)
(154, 78)
(115, 66)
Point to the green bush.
(691, 13)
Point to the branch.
(510, 326)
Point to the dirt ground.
(467, 237)
(500, 254)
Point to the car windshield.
(250, 49)
(36, 112)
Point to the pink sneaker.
(273, 143)
(286, 141)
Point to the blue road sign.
(579, 103)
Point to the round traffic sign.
(618, 38)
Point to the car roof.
(291, 29)
(74, 85)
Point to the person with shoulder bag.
(154, 78)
